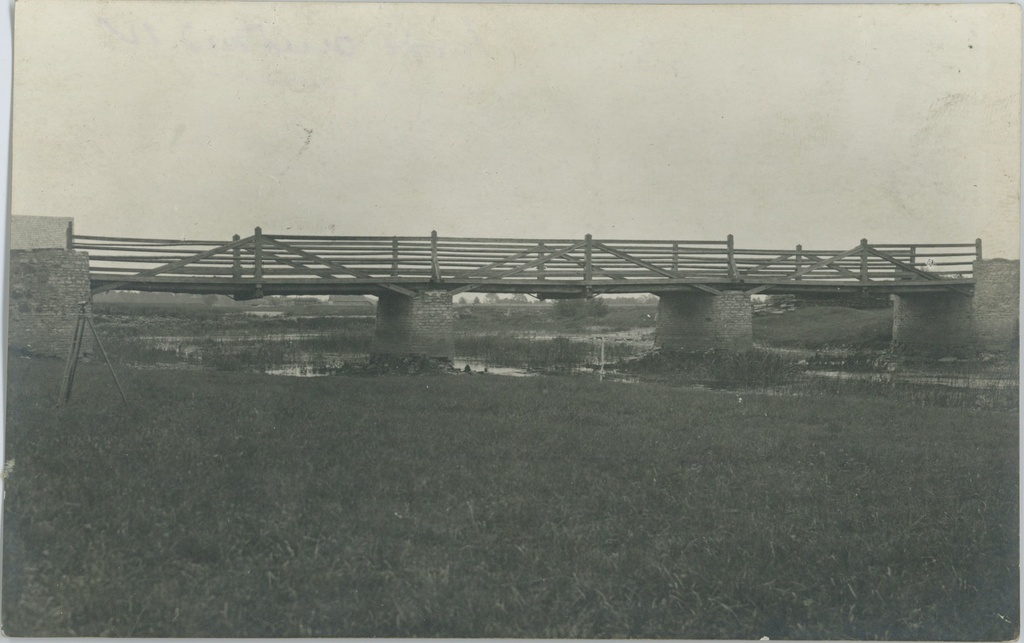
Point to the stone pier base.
(702, 321)
(420, 325)
(46, 287)
(996, 315)
(952, 323)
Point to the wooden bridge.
(276, 264)
(946, 296)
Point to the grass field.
(231, 504)
(817, 326)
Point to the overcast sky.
(779, 124)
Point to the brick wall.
(420, 325)
(700, 321)
(996, 313)
(953, 323)
(28, 233)
(45, 288)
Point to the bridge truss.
(273, 264)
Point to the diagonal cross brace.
(489, 268)
(766, 263)
(335, 267)
(599, 269)
(900, 264)
(152, 272)
(650, 266)
(631, 259)
(928, 275)
(324, 273)
(644, 264)
(821, 263)
(522, 268)
(840, 269)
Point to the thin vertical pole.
(864, 261)
(258, 267)
(236, 260)
(106, 358)
(67, 383)
(588, 268)
(435, 268)
(258, 252)
(540, 256)
(675, 258)
(730, 253)
(71, 235)
(977, 249)
(394, 256)
(799, 259)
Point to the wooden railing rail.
(463, 263)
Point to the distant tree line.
(581, 308)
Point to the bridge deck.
(263, 264)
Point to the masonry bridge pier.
(946, 297)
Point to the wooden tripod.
(76, 352)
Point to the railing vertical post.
(540, 256)
(864, 261)
(730, 251)
(913, 256)
(394, 256)
(258, 252)
(588, 267)
(799, 259)
(71, 236)
(675, 258)
(977, 249)
(236, 260)
(435, 268)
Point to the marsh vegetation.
(721, 497)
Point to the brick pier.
(420, 325)
(46, 286)
(703, 321)
(955, 323)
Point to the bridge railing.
(866, 263)
(471, 262)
